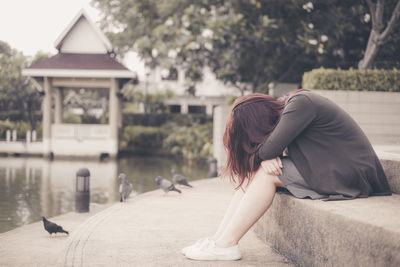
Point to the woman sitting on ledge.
(328, 157)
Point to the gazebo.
(85, 59)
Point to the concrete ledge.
(360, 232)
(392, 171)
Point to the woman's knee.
(273, 179)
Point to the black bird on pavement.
(52, 227)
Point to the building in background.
(85, 61)
(208, 94)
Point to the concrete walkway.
(31, 245)
(148, 230)
(151, 229)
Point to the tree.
(247, 44)
(380, 33)
(230, 37)
(16, 92)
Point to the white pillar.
(47, 117)
(113, 115)
(181, 77)
(221, 115)
(209, 109)
(119, 102)
(184, 108)
(34, 136)
(8, 135)
(14, 135)
(28, 136)
(58, 106)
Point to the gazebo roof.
(79, 62)
(79, 65)
(82, 27)
(84, 51)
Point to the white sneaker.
(213, 253)
(199, 243)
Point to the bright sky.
(33, 25)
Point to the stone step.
(360, 232)
(392, 171)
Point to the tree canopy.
(16, 92)
(247, 44)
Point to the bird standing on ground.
(125, 187)
(166, 185)
(52, 227)
(179, 178)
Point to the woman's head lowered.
(251, 121)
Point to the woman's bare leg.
(257, 199)
(234, 203)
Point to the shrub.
(154, 119)
(191, 142)
(4, 126)
(20, 126)
(72, 118)
(142, 137)
(354, 80)
(18, 115)
(90, 119)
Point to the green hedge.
(142, 137)
(17, 115)
(192, 142)
(156, 120)
(354, 80)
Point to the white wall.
(209, 86)
(83, 39)
(377, 113)
(221, 114)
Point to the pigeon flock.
(125, 189)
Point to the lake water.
(35, 187)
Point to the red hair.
(252, 120)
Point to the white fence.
(90, 140)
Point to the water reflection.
(35, 187)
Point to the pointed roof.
(71, 39)
(84, 51)
(79, 65)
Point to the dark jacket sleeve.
(297, 115)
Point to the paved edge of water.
(151, 228)
(31, 245)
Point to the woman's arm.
(297, 115)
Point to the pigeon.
(179, 178)
(52, 227)
(125, 187)
(166, 185)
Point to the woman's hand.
(272, 166)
